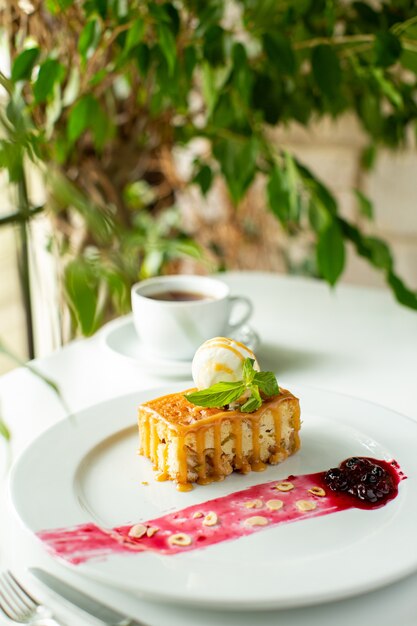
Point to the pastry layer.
(187, 443)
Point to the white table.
(352, 340)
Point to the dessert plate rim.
(27, 477)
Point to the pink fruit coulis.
(234, 512)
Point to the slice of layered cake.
(203, 435)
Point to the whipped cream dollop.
(220, 359)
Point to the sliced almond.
(274, 505)
(317, 491)
(256, 520)
(198, 514)
(253, 504)
(151, 531)
(305, 505)
(210, 519)
(284, 486)
(180, 539)
(137, 531)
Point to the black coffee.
(178, 296)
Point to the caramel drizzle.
(277, 434)
(200, 445)
(226, 346)
(237, 432)
(145, 436)
(296, 428)
(256, 451)
(154, 441)
(217, 434)
(182, 463)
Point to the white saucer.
(120, 337)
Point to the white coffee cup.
(174, 328)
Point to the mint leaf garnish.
(267, 383)
(248, 372)
(217, 395)
(224, 393)
(254, 401)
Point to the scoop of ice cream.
(220, 359)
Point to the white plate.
(120, 337)
(85, 468)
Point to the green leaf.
(143, 58)
(253, 402)
(11, 158)
(134, 35)
(213, 46)
(204, 179)
(377, 252)
(319, 192)
(368, 156)
(279, 51)
(54, 6)
(80, 117)
(217, 395)
(88, 114)
(168, 46)
(50, 72)
(326, 70)
(242, 75)
(388, 88)
(24, 64)
(371, 248)
(190, 61)
(267, 383)
(365, 205)
(89, 38)
(409, 60)
(248, 372)
(278, 195)
(81, 286)
(331, 253)
(387, 49)
(268, 97)
(403, 294)
(237, 160)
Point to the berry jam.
(372, 481)
(358, 483)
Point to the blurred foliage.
(101, 91)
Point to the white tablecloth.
(352, 340)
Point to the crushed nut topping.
(305, 505)
(137, 531)
(180, 539)
(210, 519)
(274, 505)
(151, 531)
(198, 514)
(253, 504)
(284, 486)
(256, 520)
(317, 491)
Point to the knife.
(86, 603)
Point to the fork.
(19, 606)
